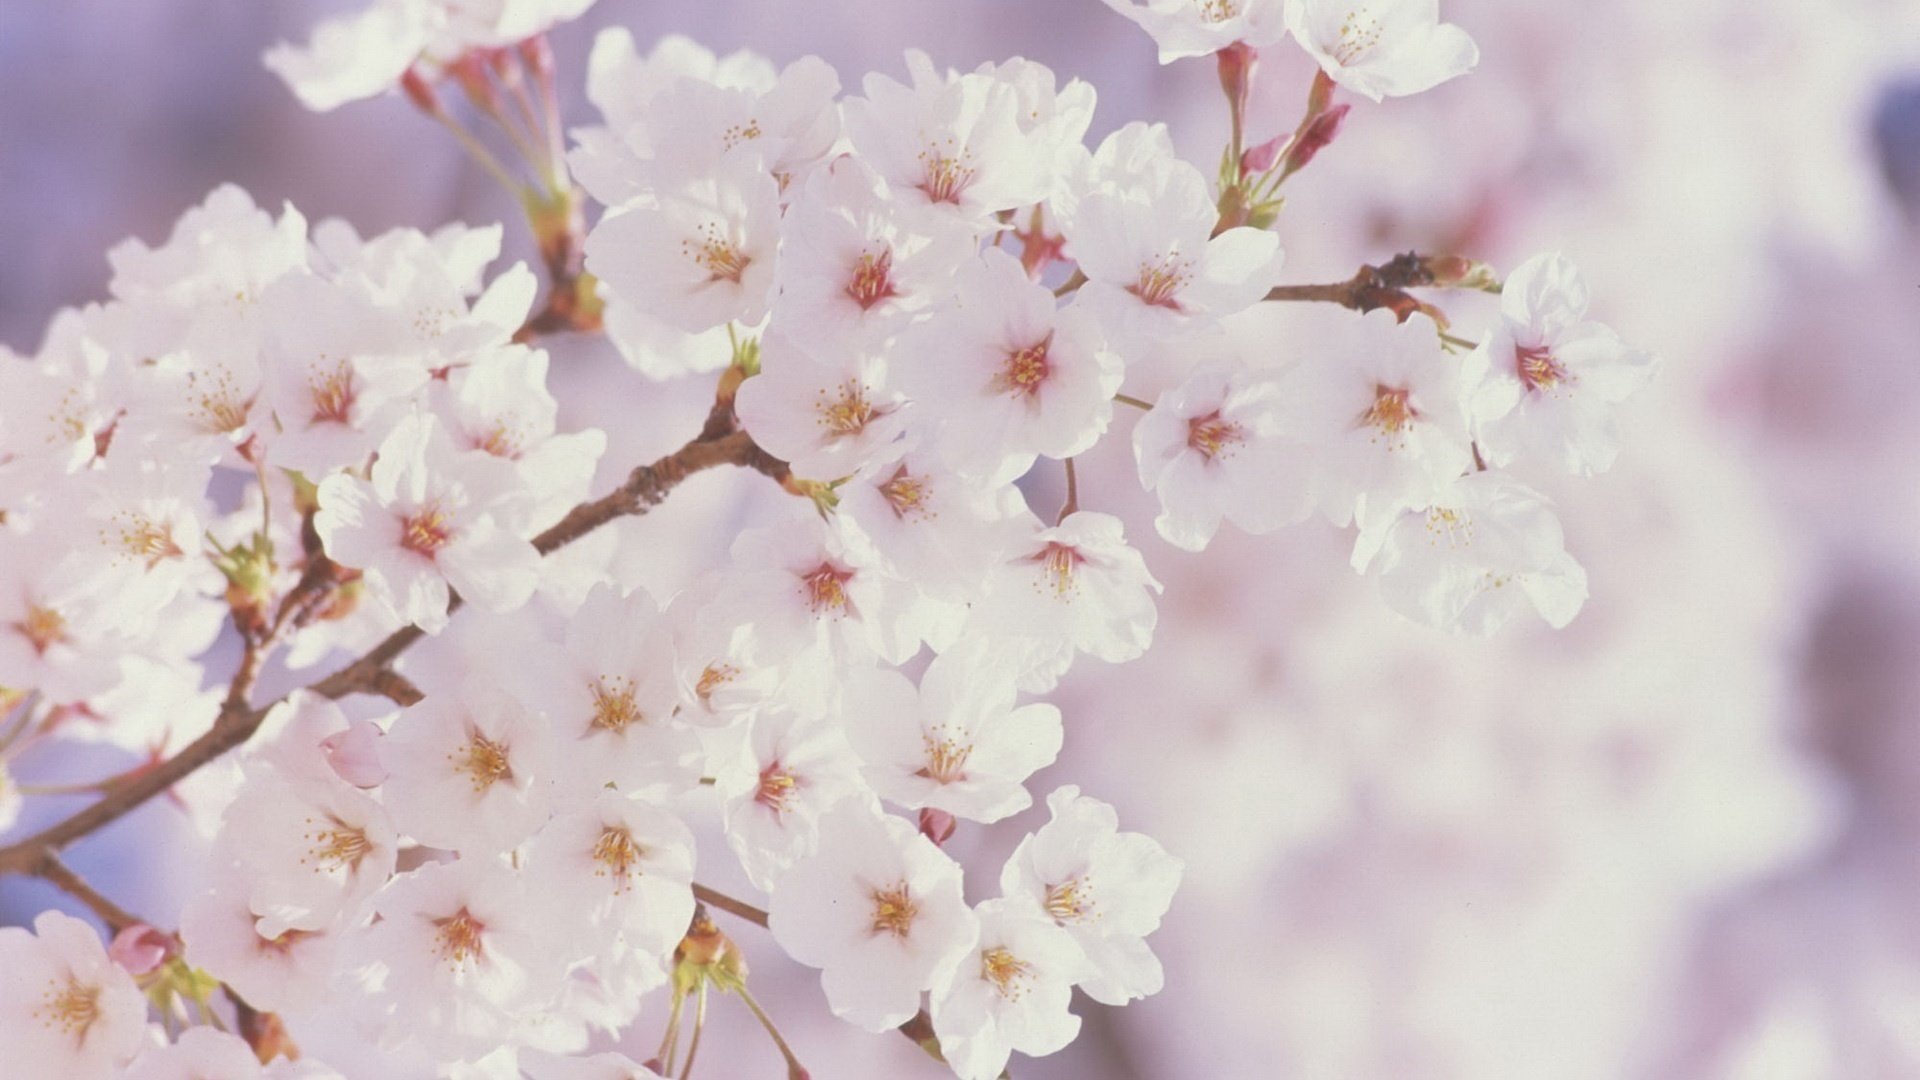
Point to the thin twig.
(728, 904)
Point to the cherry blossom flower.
(1554, 376)
(50, 635)
(825, 414)
(499, 405)
(786, 128)
(955, 743)
(1154, 265)
(1485, 548)
(1384, 410)
(1214, 448)
(1382, 48)
(1074, 587)
(697, 254)
(854, 269)
(925, 522)
(1004, 377)
(469, 771)
(1106, 888)
(312, 851)
(290, 972)
(1011, 994)
(950, 144)
(1184, 28)
(65, 1009)
(791, 769)
(622, 863)
(427, 521)
(464, 957)
(878, 909)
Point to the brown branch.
(646, 487)
(51, 869)
(1376, 287)
(728, 904)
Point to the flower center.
(285, 943)
(1069, 901)
(459, 937)
(340, 845)
(502, 441)
(946, 759)
(894, 910)
(70, 1008)
(846, 411)
(1214, 11)
(736, 134)
(1059, 562)
(426, 531)
(1450, 527)
(217, 401)
(1025, 370)
(722, 258)
(1212, 436)
(872, 279)
(826, 590)
(1538, 369)
(777, 788)
(906, 494)
(945, 174)
(43, 627)
(1007, 972)
(331, 391)
(1159, 283)
(1359, 33)
(618, 855)
(146, 539)
(1392, 411)
(713, 677)
(613, 705)
(485, 761)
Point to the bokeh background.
(1679, 840)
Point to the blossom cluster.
(912, 295)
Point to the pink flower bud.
(1318, 135)
(355, 754)
(937, 825)
(140, 948)
(1236, 73)
(1259, 159)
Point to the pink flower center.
(778, 787)
(1026, 370)
(945, 174)
(722, 258)
(872, 279)
(1159, 283)
(1211, 435)
(426, 532)
(1392, 410)
(894, 910)
(826, 590)
(332, 394)
(1537, 367)
(1060, 562)
(459, 937)
(43, 627)
(906, 494)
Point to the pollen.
(736, 134)
(502, 441)
(1359, 33)
(336, 846)
(331, 390)
(216, 401)
(43, 627)
(1392, 411)
(946, 758)
(459, 937)
(1538, 369)
(713, 677)
(143, 538)
(484, 760)
(906, 495)
(845, 411)
(1007, 972)
(777, 788)
(1213, 437)
(426, 531)
(894, 910)
(722, 258)
(1059, 564)
(1070, 901)
(872, 279)
(616, 855)
(947, 170)
(826, 590)
(1449, 527)
(1025, 370)
(614, 708)
(70, 1007)
(1158, 284)
(1214, 11)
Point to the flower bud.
(140, 949)
(937, 825)
(1318, 134)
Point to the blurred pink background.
(1680, 839)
